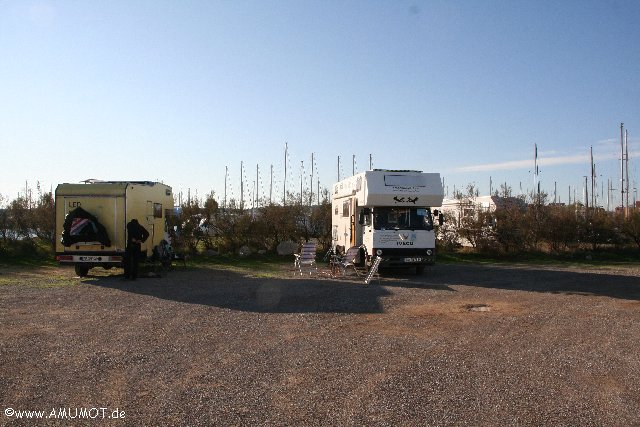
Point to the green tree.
(474, 223)
(18, 218)
(5, 225)
(631, 227)
(477, 228)
(447, 237)
(561, 230)
(42, 217)
(276, 224)
(232, 227)
(209, 216)
(320, 222)
(188, 232)
(509, 225)
(596, 228)
(535, 220)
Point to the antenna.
(593, 181)
(241, 187)
(622, 165)
(226, 172)
(253, 201)
(536, 180)
(311, 182)
(626, 156)
(586, 192)
(284, 190)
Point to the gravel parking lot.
(460, 345)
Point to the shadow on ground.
(534, 279)
(235, 291)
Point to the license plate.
(90, 258)
(413, 260)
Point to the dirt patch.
(209, 346)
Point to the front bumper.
(405, 257)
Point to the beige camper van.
(91, 220)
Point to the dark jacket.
(136, 233)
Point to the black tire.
(82, 270)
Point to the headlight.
(379, 252)
(429, 252)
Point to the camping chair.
(306, 258)
(349, 260)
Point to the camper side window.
(157, 210)
(345, 208)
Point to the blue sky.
(178, 90)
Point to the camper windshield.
(392, 218)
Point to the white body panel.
(390, 188)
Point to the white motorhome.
(387, 213)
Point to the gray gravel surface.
(460, 345)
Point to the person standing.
(136, 235)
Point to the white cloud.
(542, 161)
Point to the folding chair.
(306, 258)
(349, 260)
(373, 271)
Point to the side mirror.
(363, 218)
